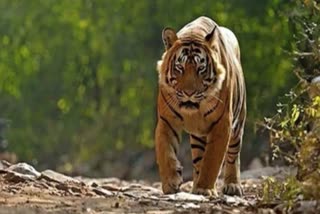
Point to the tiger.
(201, 91)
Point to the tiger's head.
(190, 69)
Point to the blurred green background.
(78, 79)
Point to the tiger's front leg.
(217, 143)
(167, 142)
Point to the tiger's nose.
(189, 93)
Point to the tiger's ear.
(169, 36)
(210, 37)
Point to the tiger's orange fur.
(201, 92)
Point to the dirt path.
(24, 190)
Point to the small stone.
(184, 196)
(234, 200)
(62, 186)
(229, 199)
(132, 186)
(90, 194)
(152, 197)
(94, 184)
(17, 177)
(24, 169)
(266, 211)
(111, 187)
(4, 164)
(58, 177)
(130, 194)
(103, 192)
(187, 186)
(190, 206)
(152, 190)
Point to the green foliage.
(78, 78)
(288, 190)
(295, 129)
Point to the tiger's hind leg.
(232, 184)
(198, 145)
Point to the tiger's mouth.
(189, 105)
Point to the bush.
(295, 129)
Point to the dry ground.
(24, 190)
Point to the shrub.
(295, 129)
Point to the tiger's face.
(190, 75)
(190, 70)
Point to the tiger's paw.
(172, 183)
(205, 192)
(232, 189)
